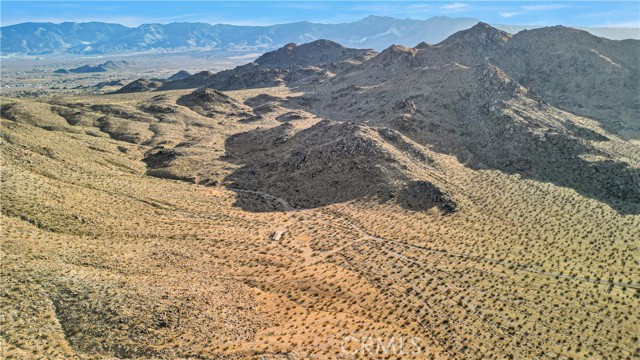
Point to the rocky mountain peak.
(140, 85)
(182, 74)
(208, 95)
(325, 44)
(315, 53)
(208, 102)
(395, 54)
(481, 34)
(567, 36)
(393, 59)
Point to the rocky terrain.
(140, 85)
(466, 195)
(335, 162)
(209, 102)
(456, 97)
(582, 75)
(180, 75)
(291, 64)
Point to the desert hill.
(209, 102)
(182, 74)
(104, 67)
(335, 162)
(289, 64)
(581, 73)
(456, 97)
(570, 69)
(139, 85)
(99, 234)
(113, 84)
(320, 53)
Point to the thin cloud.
(543, 7)
(395, 10)
(455, 6)
(529, 8)
(626, 24)
(300, 6)
(508, 14)
(419, 7)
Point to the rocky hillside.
(319, 53)
(489, 98)
(289, 64)
(334, 162)
(570, 69)
(483, 95)
(209, 102)
(579, 72)
(180, 75)
(466, 96)
(139, 85)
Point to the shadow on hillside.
(609, 182)
(281, 170)
(254, 181)
(555, 158)
(484, 144)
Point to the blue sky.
(133, 13)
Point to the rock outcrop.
(180, 75)
(140, 85)
(210, 102)
(335, 162)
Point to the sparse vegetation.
(144, 225)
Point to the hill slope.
(458, 96)
(336, 162)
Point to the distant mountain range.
(372, 32)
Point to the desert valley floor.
(103, 260)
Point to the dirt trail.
(365, 235)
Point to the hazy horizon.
(261, 13)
